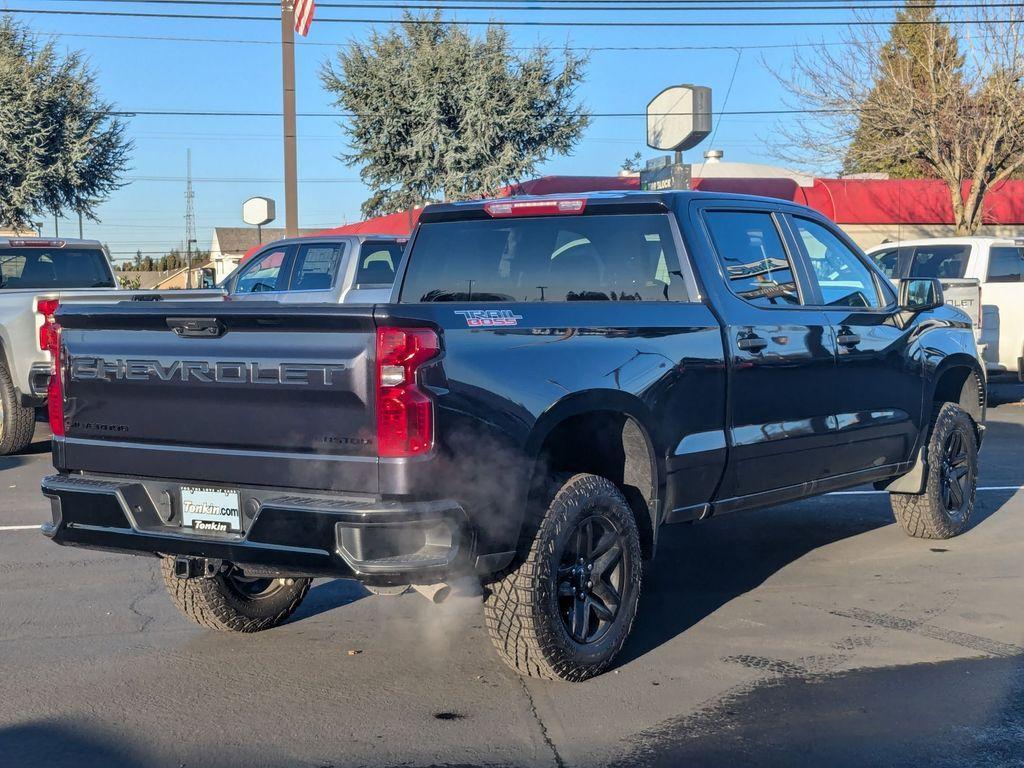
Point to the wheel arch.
(607, 433)
(959, 379)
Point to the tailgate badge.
(489, 318)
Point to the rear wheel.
(17, 423)
(943, 509)
(232, 601)
(566, 610)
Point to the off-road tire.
(214, 604)
(17, 423)
(521, 609)
(924, 515)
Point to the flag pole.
(291, 196)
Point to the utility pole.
(291, 196)
(190, 218)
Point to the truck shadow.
(50, 743)
(701, 567)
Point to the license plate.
(210, 509)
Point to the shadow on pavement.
(703, 566)
(49, 743)
(328, 595)
(881, 717)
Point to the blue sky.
(148, 214)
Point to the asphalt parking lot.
(814, 633)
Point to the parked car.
(984, 276)
(348, 269)
(37, 274)
(554, 380)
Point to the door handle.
(198, 327)
(848, 340)
(752, 343)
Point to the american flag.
(304, 15)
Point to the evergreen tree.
(60, 149)
(912, 53)
(438, 114)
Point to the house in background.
(230, 244)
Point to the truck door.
(876, 390)
(780, 352)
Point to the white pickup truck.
(36, 276)
(995, 264)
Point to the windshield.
(940, 261)
(54, 268)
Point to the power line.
(335, 44)
(611, 5)
(507, 23)
(335, 115)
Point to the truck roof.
(641, 202)
(957, 240)
(59, 242)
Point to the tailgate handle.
(196, 327)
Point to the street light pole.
(291, 196)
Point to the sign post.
(291, 194)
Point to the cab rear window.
(555, 258)
(47, 268)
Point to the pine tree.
(438, 114)
(60, 149)
(912, 53)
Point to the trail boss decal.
(489, 318)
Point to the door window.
(1006, 264)
(751, 252)
(844, 280)
(316, 265)
(888, 261)
(264, 273)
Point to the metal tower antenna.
(190, 218)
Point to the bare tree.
(952, 106)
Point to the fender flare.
(914, 480)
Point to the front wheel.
(232, 601)
(943, 509)
(566, 609)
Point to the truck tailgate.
(964, 294)
(258, 394)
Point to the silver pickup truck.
(36, 276)
(319, 269)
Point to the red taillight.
(405, 415)
(47, 308)
(55, 389)
(564, 206)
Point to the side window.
(377, 262)
(1006, 265)
(940, 260)
(750, 251)
(888, 261)
(263, 273)
(844, 279)
(316, 265)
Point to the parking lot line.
(20, 527)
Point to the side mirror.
(208, 278)
(920, 293)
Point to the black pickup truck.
(554, 380)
